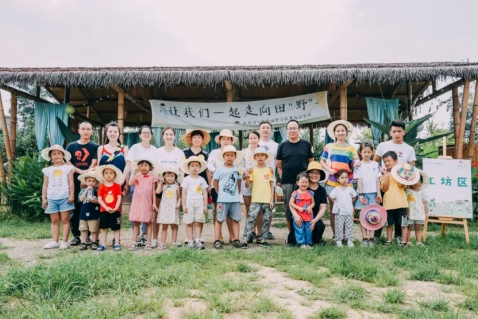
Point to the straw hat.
(331, 128)
(228, 149)
(188, 137)
(373, 217)
(261, 150)
(46, 152)
(226, 133)
(425, 178)
(93, 174)
(201, 161)
(99, 172)
(135, 163)
(405, 174)
(170, 169)
(317, 166)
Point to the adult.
(293, 157)
(336, 156)
(405, 154)
(166, 156)
(265, 130)
(316, 174)
(84, 158)
(224, 139)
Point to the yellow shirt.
(261, 185)
(395, 197)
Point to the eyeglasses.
(292, 128)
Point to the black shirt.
(295, 159)
(82, 155)
(320, 197)
(188, 153)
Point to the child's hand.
(205, 209)
(71, 199)
(384, 171)
(309, 209)
(332, 171)
(357, 164)
(271, 204)
(185, 210)
(155, 208)
(312, 224)
(136, 171)
(177, 205)
(378, 199)
(363, 200)
(298, 220)
(44, 204)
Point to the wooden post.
(474, 115)
(6, 137)
(410, 100)
(456, 116)
(311, 134)
(13, 125)
(66, 98)
(121, 115)
(464, 109)
(343, 101)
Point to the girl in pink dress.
(141, 211)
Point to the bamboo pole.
(456, 116)
(6, 137)
(343, 101)
(311, 134)
(121, 115)
(474, 115)
(13, 125)
(464, 109)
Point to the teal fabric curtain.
(212, 145)
(157, 133)
(176, 134)
(277, 137)
(41, 124)
(328, 139)
(131, 138)
(377, 108)
(46, 123)
(283, 132)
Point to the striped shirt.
(340, 157)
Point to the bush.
(23, 195)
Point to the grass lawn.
(436, 281)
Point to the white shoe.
(191, 244)
(154, 243)
(350, 243)
(303, 247)
(339, 243)
(399, 240)
(64, 245)
(308, 247)
(52, 245)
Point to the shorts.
(231, 209)
(110, 220)
(288, 189)
(329, 189)
(214, 195)
(93, 225)
(195, 211)
(415, 222)
(397, 216)
(369, 197)
(58, 206)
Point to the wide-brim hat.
(373, 217)
(46, 152)
(405, 174)
(226, 133)
(425, 178)
(170, 169)
(199, 159)
(261, 150)
(331, 128)
(99, 172)
(188, 139)
(134, 164)
(228, 149)
(316, 165)
(93, 174)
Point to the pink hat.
(373, 217)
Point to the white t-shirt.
(415, 202)
(213, 164)
(194, 187)
(168, 159)
(272, 147)
(405, 152)
(342, 197)
(58, 186)
(138, 151)
(368, 172)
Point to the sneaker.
(420, 244)
(399, 240)
(252, 237)
(365, 243)
(308, 247)
(371, 243)
(143, 239)
(244, 244)
(64, 245)
(199, 246)
(270, 236)
(154, 243)
(117, 247)
(191, 244)
(201, 240)
(403, 244)
(236, 243)
(409, 243)
(175, 245)
(339, 243)
(52, 245)
(101, 248)
(263, 243)
(350, 243)
(303, 247)
(334, 240)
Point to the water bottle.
(90, 194)
(209, 208)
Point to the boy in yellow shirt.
(394, 200)
(262, 181)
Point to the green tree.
(365, 135)
(449, 107)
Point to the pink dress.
(142, 205)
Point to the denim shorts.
(228, 209)
(369, 197)
(58, 205)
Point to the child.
(169, 208)
(418, 208)
(227, 182)
(343, 197)
(262, 180)
(394, 200)
(109, 197)
(89, 211)
(301, 204)
(144, 197)
(368, 186)
(58, 193)
(194, 199)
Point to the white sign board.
(450, 187)
(308, 108)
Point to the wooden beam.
(474, 115)
(434, 85)
(343, 101)
(311, 134)
(13, 125)
(22, 94)
(53, 94)
(37, 91)
(66, 98)
(456, 116)
(409, 100)
(399, 85)
(441, 91)
(121, 116)
(142, 92)
(92, 104)
(464, 109)
(421, 91)
(130, 97)
(6, 137)
(336, 93)
(84, 118)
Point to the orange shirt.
(109, 195)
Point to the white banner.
(450, 187)
(306, 108)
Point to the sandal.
(148, 246)
(75, 241)
(236, 243)
(162, 246)
(218, 244)
(388, 243)
(94, 245)
(133, 247)
(84, 246)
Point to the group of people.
(84, 186)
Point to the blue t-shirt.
(228, 178)
(89, 211)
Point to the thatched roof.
(240, 75)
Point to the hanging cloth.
(177, 131)
(212, 145)
(157, 134)
(277, 137)
(283, 132)
(377, 108)
(46, 123)
(131, 138)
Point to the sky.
(88, 33)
